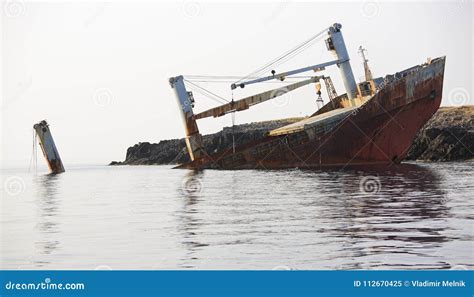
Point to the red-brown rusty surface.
(56, 166)
(190, 125)
(379, 132)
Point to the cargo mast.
(368, 73)
(186, 103)
(335, 43)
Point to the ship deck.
(329, 118)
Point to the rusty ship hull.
(379, 130)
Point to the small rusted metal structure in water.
(48, 147)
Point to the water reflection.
(190, 191)
(48, 225)
(403, 215)
(406, 215)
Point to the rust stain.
(48, 147)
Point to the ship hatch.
(327, 119)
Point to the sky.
(98, 72)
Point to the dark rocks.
(174, 151)
(448, 136)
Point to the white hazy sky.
(98, 72)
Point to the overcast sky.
(99, 72)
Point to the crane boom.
(245, 103)
(281, 76)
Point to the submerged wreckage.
(50, 152)
(374, 122)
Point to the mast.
(368, 73)
(332, 94)
(186, 102)
(335, 43)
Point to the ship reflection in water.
(48, 224)
(360, 218)
(402, 217)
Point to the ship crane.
(334, 43)
(367, 72)
(245, 103)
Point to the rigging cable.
(228, 77)
(34, 154)
(294, 54)
(206, 92)
(201, 89)
(32, 151)
(204, 79)
(266, 67)
(233, 125)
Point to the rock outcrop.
(174, 151)
(448, 136)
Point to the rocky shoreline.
(173, 151)
(448, 136)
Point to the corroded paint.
(380, 131)
(48, 147)
(245, 103)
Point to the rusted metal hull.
(380, 131)
(48, 147)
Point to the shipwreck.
(48, 147)
(373, 122)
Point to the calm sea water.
(153, 217)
